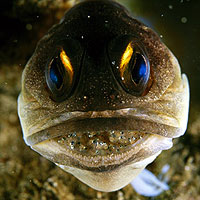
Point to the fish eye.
(131, 66)
(62, 69)
(60, 76)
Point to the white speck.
(161, 15)
(106, 21)
(55, 184)
(82, 37)
(170, 7)
(113, 62)
(161, 36)
(183, 19)
(122, 78)
(37, 16)
(72, 147)
(187, 168)
(88, 16)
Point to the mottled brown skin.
(97, 101)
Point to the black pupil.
(139, 69)
(55, 74)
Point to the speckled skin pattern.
(99, 109)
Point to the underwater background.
(24, 174)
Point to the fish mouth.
(101, 150)
(101, 142)
(98, 150)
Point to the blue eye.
(59, 77)
(134, 70)
(131, 67)
(61, 70)
(140, 69)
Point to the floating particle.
(170, 7)
(113, 62)
(184, 20)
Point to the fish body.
(102, 96)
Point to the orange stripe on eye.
(67, 64)
(125, 59)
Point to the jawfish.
(102, 96)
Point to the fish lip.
(119, 123)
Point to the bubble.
(184, 20)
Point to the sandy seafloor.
(24, 174)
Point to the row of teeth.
(100, 143)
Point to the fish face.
(102, 96)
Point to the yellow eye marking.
(67, 64)
(125, 59)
